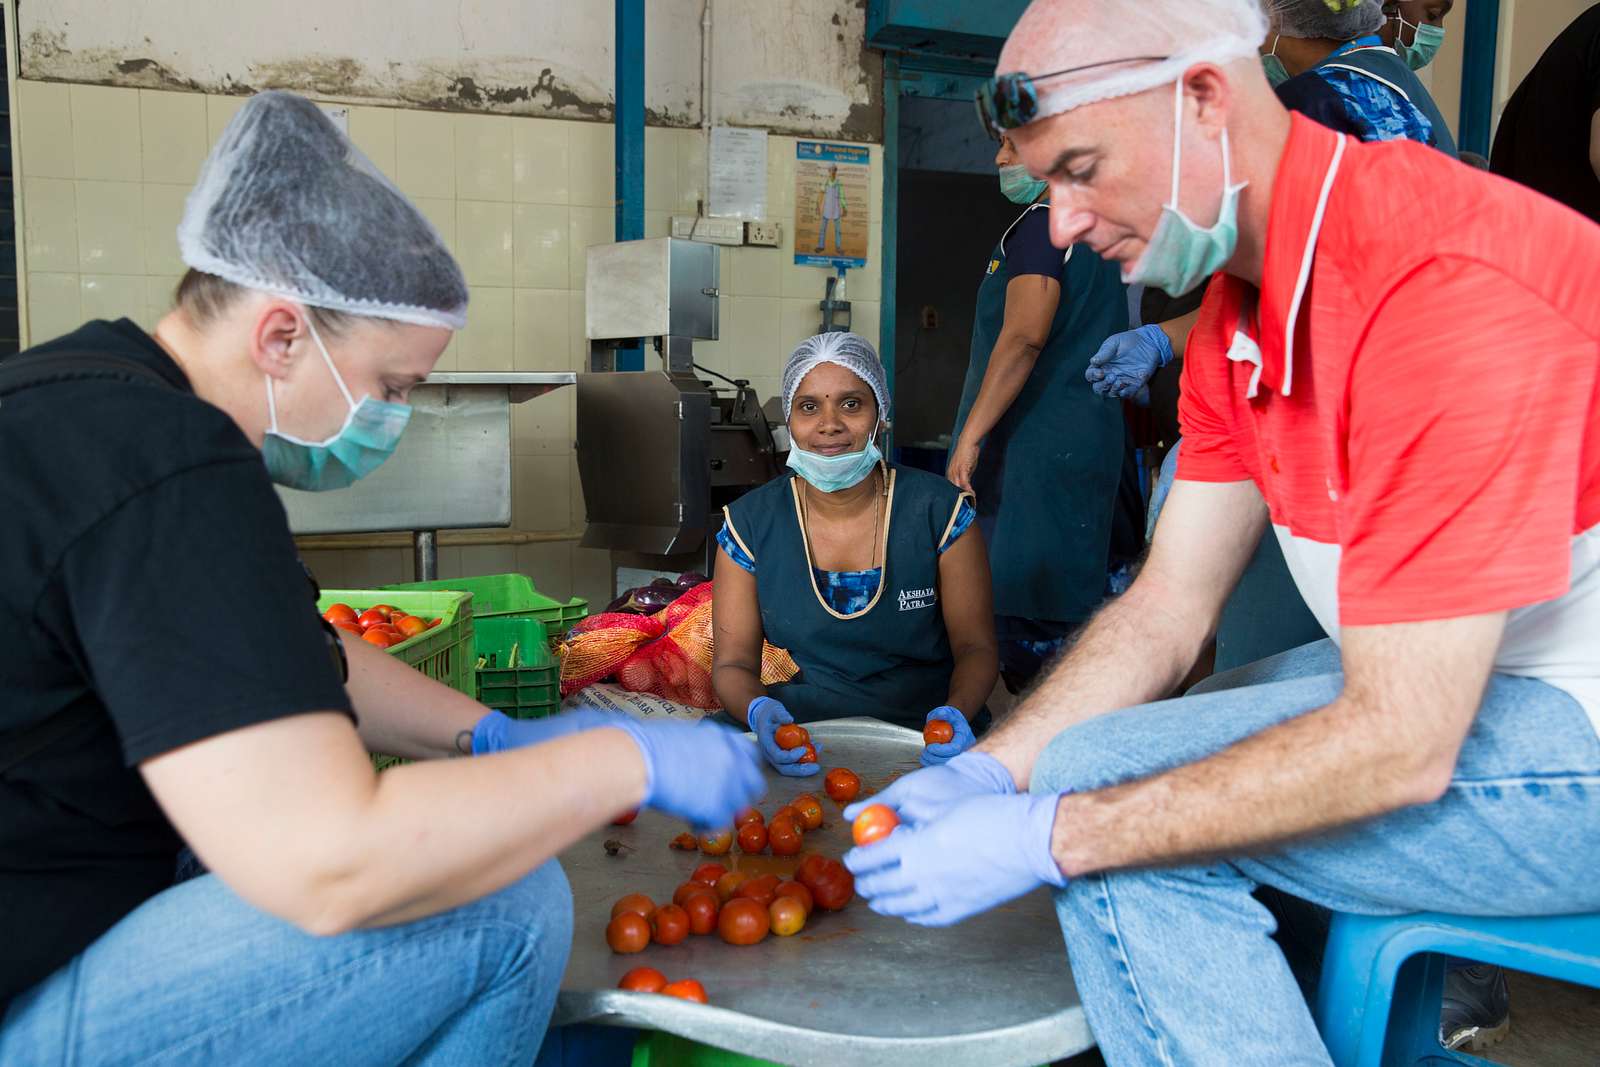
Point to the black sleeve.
(1314, 98)
(193, 614)
(1029, 251)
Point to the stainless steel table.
(853, 987)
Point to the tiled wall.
(105, 172)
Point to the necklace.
(877, 517)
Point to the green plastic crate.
(516, 672)
(443, 653)
(495, 595)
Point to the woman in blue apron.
(1040, 450)
(866, 572)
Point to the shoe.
(1476, 1010)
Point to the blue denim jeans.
(1178, 965)
(197, 976)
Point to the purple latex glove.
(1125, 362)
(495, 732)
(698, 771)
(765, 715)
(979, 854)
(922, 796)
(934, 755)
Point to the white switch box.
(766, 233)
(708, 230)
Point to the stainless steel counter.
(853, 987)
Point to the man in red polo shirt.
(1399, 371)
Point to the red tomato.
(340, 613)
(786, 915)
(684, 843)
(938, 732)
(386, 610)
(643, 980)
(670, 924)
(752, 837)
(785, 838)
(833, 887)
(743, 921)
(810, 866)
(411, 626)
(686, 989)
(747, 815)
(683, 892)
(795, 803)
(379, 638)
(790, 736)
(842, 785)
(761, 889)
(810, 809)
(796, 890)
(349, 628)
(708, 873)
(390, 629)
(729, 884)
(637, 903)
(810, 755)
(370, 618)
(702, 909)
(625, 818)
(716, 843)
(628, 932)
(876, 822)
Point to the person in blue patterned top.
(868, 573)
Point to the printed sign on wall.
(831, 206)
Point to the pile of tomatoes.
(382, 624)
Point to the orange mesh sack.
(600, 644)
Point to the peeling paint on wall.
(799, 67)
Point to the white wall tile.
(592, 167)
(163, 210)
(112, 296)
(543, 331)
(540, 492)
(800, 320)
(158, 293)
(589, 226)
(541, 239)
(657, 224)
(488, 559)
(543, 426)
(660, 169)
(864, 319)
(593, 578)
(54, 306)
(372, 131)
(219, 112)
(44, 110)
(758, 271)
(691, 170)
(424, 148)
(441, 212)
(50, 224)
(110, 227)
(483, 157)
(105, 133)
(486, 343)
(483, 242)
(173, 135)
(541, 161)
(550, 566)
(751, 331)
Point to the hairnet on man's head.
(848, 350)
(285, 204)
(1338, 20)
(1160, 39)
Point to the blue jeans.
(838, 234)
(197, 976)
(1178, 965)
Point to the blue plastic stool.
(1382, 978)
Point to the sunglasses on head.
(1007, 101)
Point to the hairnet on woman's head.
(1337, 20)
(1160, 39)
(287, 205)
(848, 350)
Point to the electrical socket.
(765, 233)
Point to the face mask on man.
(1180, 254)
(1018, 186)
(368, 437)
(1425, 42)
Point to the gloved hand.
(922, 796)
(495, 732)
(698, 771)
(1126, 361)
(765, 716)
(934, 755)
(983, 852)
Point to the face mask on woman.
(1425, 42)
(829, 474)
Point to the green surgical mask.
(1277, 73)
(1018, 186)
(1425, 42)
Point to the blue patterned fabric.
(847, 592)
(1378, 112)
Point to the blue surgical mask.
(1425, 42)
(1277, 73)
(830, 474)
(1180, 254)
(1018, 186)
(368, 437)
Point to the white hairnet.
(286, 204)
(1186, 32)
(1338, 20)
(848, 350)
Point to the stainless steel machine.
(661, 451)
